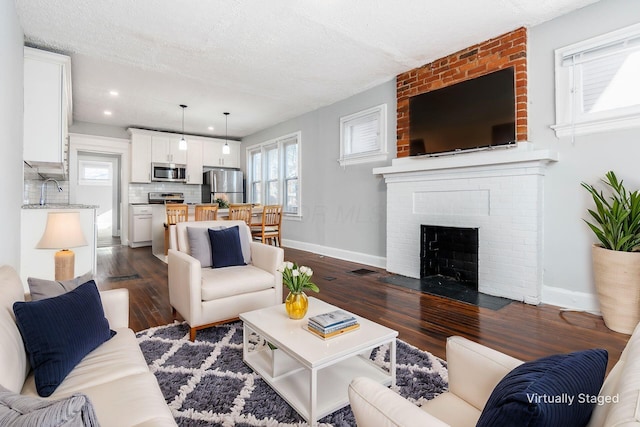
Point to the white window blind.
(597, 83)
(363, 136)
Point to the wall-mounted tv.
(469, 115)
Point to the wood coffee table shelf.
(310, 373)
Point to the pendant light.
(182, 145)
(226, 149)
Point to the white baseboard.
(570, 299)
(357, 257)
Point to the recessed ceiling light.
(210, 128)
(113, 92)
(107, 112)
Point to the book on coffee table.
(334, 333)
(331, 319)
(332, 328)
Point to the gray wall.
(343, 209)
(567, 240)
(11, 107)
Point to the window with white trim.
(363, 136)
(597, 84)
(274, 173)
(94, 172)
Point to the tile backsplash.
(33, 186)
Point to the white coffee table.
(310, 373)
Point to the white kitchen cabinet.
(40, 262)
(140, 218)
(164, 149)
(212, 154)
(47, 107)
(194, 161)
(140, 156)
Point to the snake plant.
(617, 216)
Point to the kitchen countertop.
(59, 206)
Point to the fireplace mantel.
(491, 157)
(500, 192)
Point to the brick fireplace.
(508, 50)
(498, 192)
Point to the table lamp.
(63, 231)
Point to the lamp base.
(65, 260)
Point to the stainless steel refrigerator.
(223, 181)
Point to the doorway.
(98, 184)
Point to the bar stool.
(206, 212)
(240, 212)
(175, 213)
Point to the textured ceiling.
(263, 61)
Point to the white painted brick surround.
(500, 193)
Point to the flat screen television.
(469, 115)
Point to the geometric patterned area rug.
(206, 383)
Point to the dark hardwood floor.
(425, 321)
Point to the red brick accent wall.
(508, 50)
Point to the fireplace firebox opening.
(450, 253)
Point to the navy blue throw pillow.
(226, 250)
(557, 390)
(58, 332)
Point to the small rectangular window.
(363, 136)
(93, 172)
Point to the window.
(93, 172)
(274, 173)
(363, 136)
(597, 87)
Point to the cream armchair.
(208, 296)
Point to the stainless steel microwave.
(169, 172)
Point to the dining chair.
(206, 212)
(269, 229)
(175, 213)
(241, 212)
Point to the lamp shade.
(63, 231)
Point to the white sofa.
(114, 376)
(474, 370)
(207, 296)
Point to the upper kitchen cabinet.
(47, 110)
(164, 149)
(212, 154)
(194, 161)
(140, 156)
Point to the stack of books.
(334, 323)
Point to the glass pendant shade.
(182, 144)
(225, 148)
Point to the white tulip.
(295, 273)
